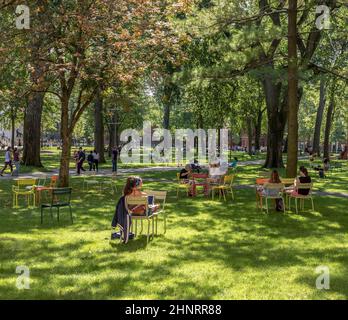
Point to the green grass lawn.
(212, 249)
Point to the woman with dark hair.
(303, 178)
(272, 192)
(133, 189)
(133, 186)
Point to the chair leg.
(148, 230)
(232, 193)
(136, 226)
(153, 227)
(266, 205)
(165, 223)
(296, 205)
(156, 225)
(312, 203)
(224, 194)
(71, 216)
(58, 214)
(283, 204)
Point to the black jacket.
(122, 219)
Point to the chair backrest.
(305, 186)
(25, 182)
(136, 201)
(288, 181)
(54, 181)
(228, 180)
(42, 181)
(159, 195)
(59, 194)
(272, 189)
(61, 191)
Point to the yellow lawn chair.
(24, 187)
(225, 187)
(272, 191)
(301, 197)
(161, 196)
(140, 201)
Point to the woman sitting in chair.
(264, 192)
(185, 173)
(133, 189)
(303, 178)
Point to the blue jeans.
(114, 165)
(18, 166)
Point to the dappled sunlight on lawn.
(212, 249)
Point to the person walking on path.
(8, 161)
(90, 160)
(81, 159)
(114, 159)
(96, 158)
(16, 161)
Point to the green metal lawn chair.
(60, 198)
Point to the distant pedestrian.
(16, 161)
(114, 159)
(96, 158)
(90, 160)
(81, 159)
(8, 161)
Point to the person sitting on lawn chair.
(275, 179)
(133, 189)
(234, 163)
(303, 178)
(195, 167)
(185, 175)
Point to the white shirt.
(96, 156)
(7, 156)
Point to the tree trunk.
(277, 115)
(166, 116)
(328, 125)
(112, 134)
(66, 137)
(99, 126)
(32, 130)
(319, 119)
(258, 127)
(13, 127)
(167, 100)
(292, 155)
(250, 135)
